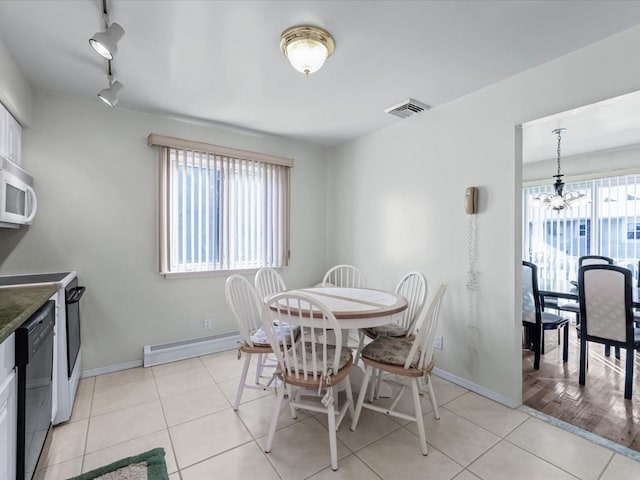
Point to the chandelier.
(560, 199)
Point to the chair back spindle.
(245, 305)
(425, 340)
(346, 276)
(313, 357)
(269, 282)
(413, 287)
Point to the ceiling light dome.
(306, 47)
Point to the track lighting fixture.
(110, 95)
(106, 44)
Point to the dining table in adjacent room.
(571, 293)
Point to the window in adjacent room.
(603, 227)
(633, 231)
(608, 225)
(221, 209)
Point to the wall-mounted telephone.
(471, 200)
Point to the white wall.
(396, 198)
(15, 92)
(96, 181)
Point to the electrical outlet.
(207, 323)
(439, 342)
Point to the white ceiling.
(220, 61)
(605, 125)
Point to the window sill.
(210, 273)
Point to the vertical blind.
(609, 225)
(222, 212)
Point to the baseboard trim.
(474, 387)
(195, 347)
(172, 352)
(94, 372)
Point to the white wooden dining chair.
(413, 287)
(313, 370)
(344, 276)
(412, 360)
(246, 307)
(268, 282)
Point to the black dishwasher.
(34, 361)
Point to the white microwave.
(18, 203)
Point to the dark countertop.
(18, 303)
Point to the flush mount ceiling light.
(106, 44)
(306, 47)
(559, 200)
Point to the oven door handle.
(75, 294)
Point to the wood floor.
(599, 406)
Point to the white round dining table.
(356, 307)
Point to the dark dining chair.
(594, 260)
(574, 307)
(606, 315)
(584, 261)
(534, 319)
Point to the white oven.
(67, 352)
(18, 203)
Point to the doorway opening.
(600, 159)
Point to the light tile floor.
(185, 407)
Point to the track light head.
(106, 43)
(110, 95)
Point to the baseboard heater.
(170, 352)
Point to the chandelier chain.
(559, 138)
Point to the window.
(556, 240)
(582, 229)
(221, 209)
(633, 231)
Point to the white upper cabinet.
(10, 137)
(14, 141)
(4, 130)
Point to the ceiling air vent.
(407, 108)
